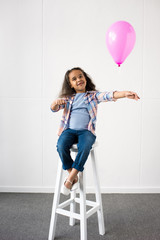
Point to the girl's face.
(77, 81)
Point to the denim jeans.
(84, 140)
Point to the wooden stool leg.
(83, 220)
(72, 208)
(55, 202)
(98, 195)
(73, 205)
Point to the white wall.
(40, 41)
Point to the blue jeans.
(84, 140)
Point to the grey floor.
(127, 217)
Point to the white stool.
(96, 206)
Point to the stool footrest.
(92, 211)
(95, 207)
(66, 203)
(88, 203)
(68, 213)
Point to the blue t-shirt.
(79, 117)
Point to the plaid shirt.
(92, 99)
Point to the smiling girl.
(79, 99)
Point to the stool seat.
(96, 206)
(74, 147)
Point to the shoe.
(75, 185)
(64, 189)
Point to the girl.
(79, 99)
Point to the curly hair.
(67, 91)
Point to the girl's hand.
(131, 95)
(55, 105)
(59, 101)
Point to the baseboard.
(29, 189)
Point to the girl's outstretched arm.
(128, 94)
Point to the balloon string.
(119, 70)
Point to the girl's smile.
(80, 83)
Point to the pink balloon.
(120, 39)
